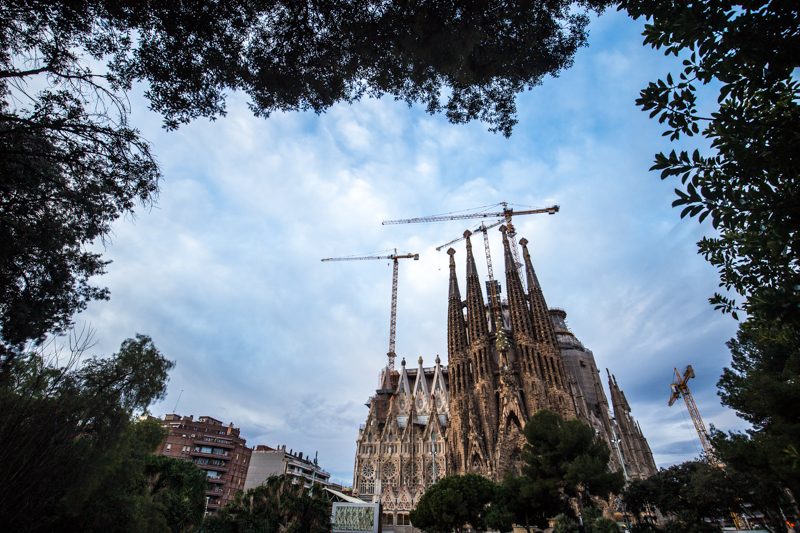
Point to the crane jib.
(506, 213)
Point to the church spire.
(635, 450)
(542, 326)
(518, 308)
(618, 400)
(457, 342)
(476, 308)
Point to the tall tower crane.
(505, 215)
(680, 388)
(395, 269)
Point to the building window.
(367, 487)
(388, 519)
(168, 447)
(402, 520)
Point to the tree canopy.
(279, 505)
(466, 58)
(177, 490)
(564, 461)
(453, 502)
(762, 386)
(744, 176)
(73, 457)
(567, 455)
(72, 164)
(694, 496)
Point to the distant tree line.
(279, 505)
(695, 496)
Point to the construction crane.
(505, 215)
(395, 269)
(680, 388)
(483, 228)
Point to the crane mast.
(393, 315)
(494, 298)
(680, 388)
(391, 354)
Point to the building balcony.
(214, 441)
(209, 455)
(216, 480)
(216, 468)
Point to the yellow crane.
(680, 389)
(395, 257)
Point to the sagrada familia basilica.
(507, 360)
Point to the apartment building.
(266, 461)
(215, 448)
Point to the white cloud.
(225, 272)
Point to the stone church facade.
(506, 360)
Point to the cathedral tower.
(501, 373)
(484, 369)
(639, 463)
(505, 363)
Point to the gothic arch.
(512, 419)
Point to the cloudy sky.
(225, 274)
